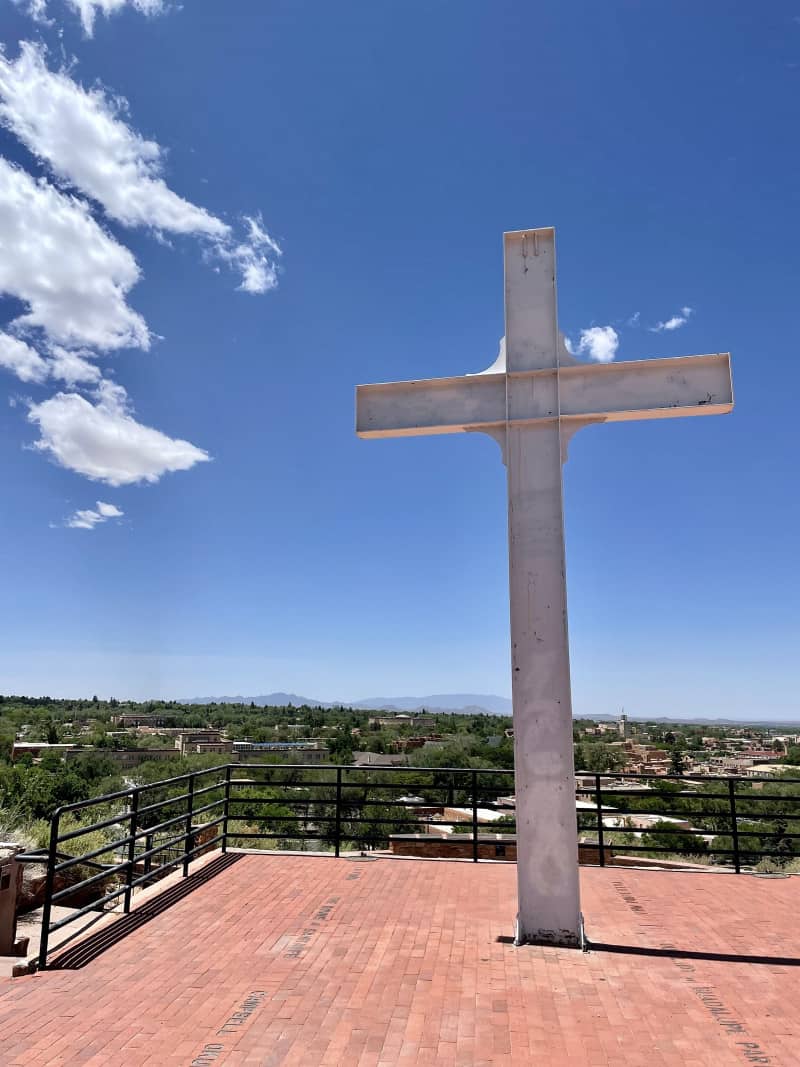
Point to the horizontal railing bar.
(163, 803)
(206, 844)
(157, 827)
(181, 796)
(93, 906)
(402, 769)
(185, 777)
(696, 779)
(71, 890)
(155, 873)
(353, 819)
(618, 813)
(294, 837)
(676, 812)
(160, 848)
(174, 841)
(364, 798)
(697, 832)
(93, 801)
(741, 798)
(760, 833)
(102, 825)
(73, 860)
(620, 850)
(672, 812)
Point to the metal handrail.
(335, 818)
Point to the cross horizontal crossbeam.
(530, 401)
(610, 392)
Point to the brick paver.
(313, 961)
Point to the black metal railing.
(728, 819)
(149, 830)
(142, 816)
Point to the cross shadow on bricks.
(690, 954)
(82, 953)
(680, 953)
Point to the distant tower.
(622, 726)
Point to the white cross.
(531, 402)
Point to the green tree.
(601, 757)
(680, 841)
(677, 761)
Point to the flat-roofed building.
(187, 739)
(289, 751)
(36, 749)
(143, 718)
(418, 722)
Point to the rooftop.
(307, 960)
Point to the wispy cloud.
(73, 366)
(21, 359)
(88, 518)
(104, 442)
(675, 322)
(89, 9)
(72, 275)
(82, 135)
(634, 319)
(599, 343)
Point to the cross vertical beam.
(547, 862)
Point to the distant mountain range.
(463, 702)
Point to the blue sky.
(384, 149)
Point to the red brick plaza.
(271, 959)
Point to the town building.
(290, 751)
(188, 740)
(417, 722)
(36, 749)
(135, 718)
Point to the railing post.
(451, 791)
(598, 799)
(337, 832)
(734, 826)
(131, 850)
(225, 808)
(148, 860)
(474, 816)
(187, 841)
(52, 856)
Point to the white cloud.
(675, 322)
(88, 9)
(88, 518)
(634, 319)
(71, 274)
(72, 367)
(600, 343)
(21, 359)
(104, 442)
(37, 9)
(259, 271)
(82, 136)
